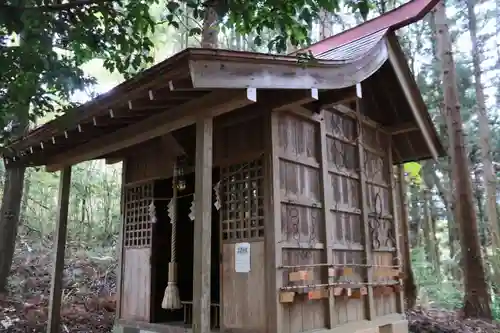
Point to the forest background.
(54, 56)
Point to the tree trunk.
(427, 229)
(435, 242)
(484, 130)
(415, 215)
(445, 198)
(210, 33)
(326, 24)
(476, 299)
(432, 180)
(443, 193)
(9, 220)
(481, 221)
(26, 193)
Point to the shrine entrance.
(161, 253)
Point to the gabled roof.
(376, 38)
(412, 11)
(154, 102)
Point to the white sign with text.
(242, 257)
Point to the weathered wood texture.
(143, 162)
(238, 138)
(136, 253)
(238, 151)
(379, 186)
(56, 286)
(136, 285)
(202, 225)
(306, 195)
(119, 246)
(302, 221)
(243, 293)
(312, 238)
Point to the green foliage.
(412, 169)
(43, 45)
(48, 43)
(440, 290)
(94, 209)
(289, 21)
(495, 307)
(434, 289)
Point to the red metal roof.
(408, 13)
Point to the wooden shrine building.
(274, 175)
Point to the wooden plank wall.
(312, 234)
(238, 151)
(382, 203)
(143, 162)
(347, 243)
(302, 238)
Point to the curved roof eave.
(410, 12)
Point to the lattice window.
(242, 213)
(138, 224)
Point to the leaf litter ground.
(88, 303)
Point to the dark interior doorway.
(161, 249)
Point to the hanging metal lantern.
(179, 173)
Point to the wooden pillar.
(202, 225)
(328, 203)
(119, 244)
(396, 218)
(370, 302)
(274, 251)
(56, 287)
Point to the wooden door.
(242, 247)
(136, 288)
(136, 270)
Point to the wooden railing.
(214, 314)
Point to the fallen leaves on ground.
(88, 301)
(443, 321)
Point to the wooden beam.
(328, 203)
(273, 245)
(402, 128)
(202, 225)
(180, 85)
(161, 143)
(365, 223)
(213, 104)
(280, 75)
(405, 262)
(113, 160)
(405, 80)
(309, 96)
(119, 244)
(400, 301)
(56, 287)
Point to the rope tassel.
(171, 299)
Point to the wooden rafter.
(214, 104)
(407, 82)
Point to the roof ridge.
(396, 18)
